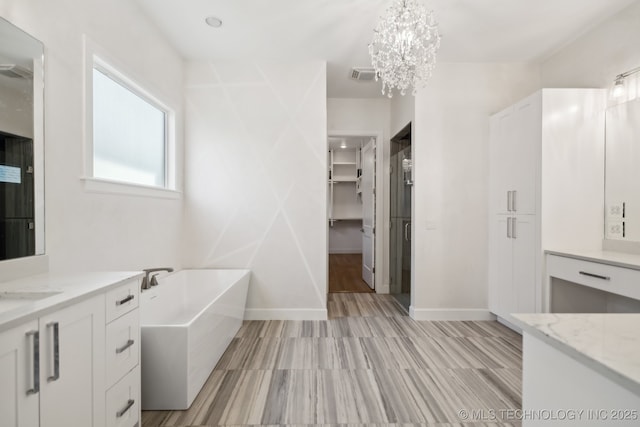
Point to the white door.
(501, 295)
(19, 398)
(500, 161)
(524, 264)
(73, 384)
(526, 140)
(368, 159)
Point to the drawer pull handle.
(597, 276)
(56, 351)
(124, 410)
(126, 300)
(36, 362)
(124, 347)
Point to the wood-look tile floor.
(368, 365)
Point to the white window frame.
(98, 58)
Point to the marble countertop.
(25, 299)
(619, 259)
(608, 343)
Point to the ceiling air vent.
(362, 74)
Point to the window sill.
(98, 185)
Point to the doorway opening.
(352, 213)
(400, 213)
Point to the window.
(129, 134)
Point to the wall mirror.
(21, 143)
(622, 172)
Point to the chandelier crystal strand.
(404, 46)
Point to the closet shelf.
(344, 179)
(345, 163)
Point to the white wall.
(450, 192)
(370, 115)
(402, 112)
(594, 59)
(256, 181)
(93, 231)
(345, 237)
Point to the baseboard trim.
(450, 314)
(285, 314)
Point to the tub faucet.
(148, 283)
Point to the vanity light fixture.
(619, 86)
(213, 21)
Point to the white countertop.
(619, 259)
(608, 343)
(20, 299)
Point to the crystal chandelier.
(404, 46)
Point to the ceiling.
(339, 31)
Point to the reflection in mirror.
(21, 144)
(622, 172)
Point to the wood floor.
(369, 364)
(345, 273)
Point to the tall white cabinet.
(546, 175)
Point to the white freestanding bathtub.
(187, 322)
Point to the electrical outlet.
(615, 230)
(615, 210)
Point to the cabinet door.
(501, 296)
(73, 384)
(524, 264)
(18, 405)
(500, 161)
(526, 136)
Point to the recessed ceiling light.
(213, 21)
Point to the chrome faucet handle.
(153, 281)
(148, 283)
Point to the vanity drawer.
(123, 401)
(605, 277)
(123, 346)
(122, 299)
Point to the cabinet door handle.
(407, 233)
(125, 300)
(508, 201)
(513, 228)
(124, 347)
(513, 200)
(124, 410)
(36, 362)
(509, 228)
(597, 276)
(56, 351)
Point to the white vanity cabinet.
(122, 355)
(72, 343)
(546, 168)
(51, 368)
(17, 406)
(73, 363)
